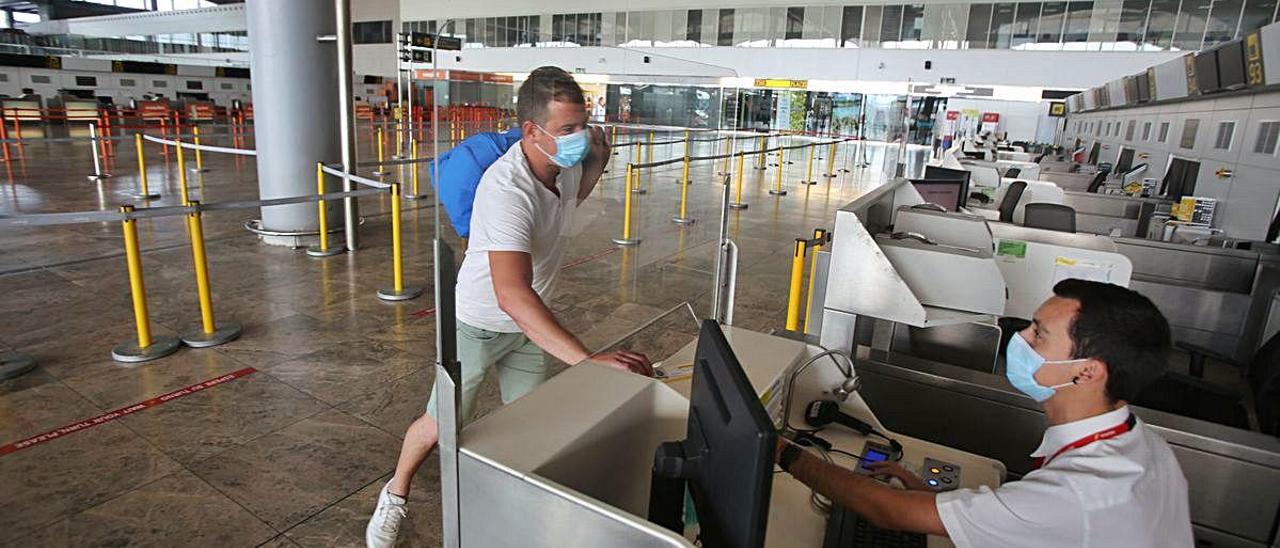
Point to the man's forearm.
(880, 504)
(540, 325)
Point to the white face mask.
(1020, 365)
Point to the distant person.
(598, 110)
(519, 224)
(1102, 477)
(28, 94)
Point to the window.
(159, 84)
(1189, 133)
(4, 77)
(912, 22)
(40, 79)
(86, 81)
(195, 84)
(1128, 130)
(128, 82)
(371, 32)
(851, 26)
(1108, 130)
(1025, 22)
(1226, 130)
(1164, 132)
(1077, 26)
(1097, 129)
(795, 24)
(1268, 133)
(891, 24)
(1001, 33)
(1257, 14)
(1052, 16)
(1146, 131)
(979, 25)
(1223, 20)
(693, 26)
(1133, 21)
(724, 34)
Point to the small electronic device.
(872, 453)
(939, 475)
(846, 529)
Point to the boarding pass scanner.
(569, 464)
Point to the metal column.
(346, 117)
(293, 128)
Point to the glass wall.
(1104, 25)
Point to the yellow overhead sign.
(781, 83)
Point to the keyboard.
(846, 529)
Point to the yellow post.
(831, 161)
(397, 264)
(650, 151)
(133, 257)
(202, 270)
(819, 235)
(633, 178)
(381, 154)
(760, 159)
(737, 203)
(322, 212)
(797, 276)
(683, 217)
(413, 155)
(399, 137)
(782, 164)
(195, 130)
(808, 179)
(142, 169)
(182, 174)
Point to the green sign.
(1012, 248)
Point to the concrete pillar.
(295, 108)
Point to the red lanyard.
(1112, 432)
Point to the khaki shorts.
(521, 366)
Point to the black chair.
(1098, 180)
(1040, 158)
(1194, 397)
(1049, 217)
(1013, 172)
(1010, 201)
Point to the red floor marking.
(122, 412)
(571, 264)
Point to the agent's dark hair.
(1122, 329)
(544, 85)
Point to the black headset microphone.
(820, 413)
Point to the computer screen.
(727, 458)
(944, 192)
(943, 173)
(1231, 66)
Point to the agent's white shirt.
(513, 211)
(1123, 491)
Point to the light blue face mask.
(1020, 365)
(570, 149)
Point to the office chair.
(1041, 157)
(1013, 172)
(1010, 201)
(1098, 180)
(1049, 217)
(1191, 396)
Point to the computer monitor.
(727, 459)
(944, 192)
(1231, 65)
(1133, 175)
(939, 172)
(1206, 63)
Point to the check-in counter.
(1107, 213)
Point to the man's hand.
(626, 360)
(894, 470)
(600, 145)
(597, 158)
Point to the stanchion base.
(416, 196)
(198, 169)
(639, 191)
(397, 157)
(14, 364)
(808, 182)
(224, 333)
(830, 175)
(390, 294)
(315, 251)
(98, 177)
(381, 173)
(777, 192)
(682, 220)
(737, 205)
(129, 352)
(149, 196)
(625, 242)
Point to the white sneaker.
(385, 523)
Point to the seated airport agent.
(1103, 477)
(523, 210)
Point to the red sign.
(953, 115)
(991, 117)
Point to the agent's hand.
(908, 478)
(626, 360)
(600, 145)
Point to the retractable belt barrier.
(193, 146)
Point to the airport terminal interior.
(230, 234)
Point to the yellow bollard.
(797, 275)
(399, 140)
(632, 178)
(683, 217)
(398, 291)
(382, 170)
(195, 131)
(782, 165)
(650, 152)
(760, 157)
(808, 180)
(144, 193)
(738, 203)
(182, 175)
(209, 333)
(145, 347)
(819, 235)
(831, 162)
(322, 214)
(613, 137)
(413, 155)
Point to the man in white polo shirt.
(1102, 477)
(520, 225)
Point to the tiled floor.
(293, 455)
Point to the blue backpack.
(462, 166)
